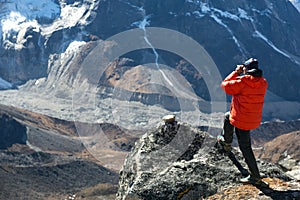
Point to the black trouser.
(244, 141)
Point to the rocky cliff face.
(175, 161)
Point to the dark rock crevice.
(11, 132)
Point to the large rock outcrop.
(175, 159)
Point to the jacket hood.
(255, 72)
(255, 81)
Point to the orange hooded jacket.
(247, 99)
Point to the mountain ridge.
(245, 29)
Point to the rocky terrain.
(283, 150)
(162, 166)
(278, 149)
(51, 153)
(44, 158)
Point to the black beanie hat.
(251, 63)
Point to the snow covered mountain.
(30, 30)
(48, 40)
(296, 3)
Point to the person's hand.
(239, 69)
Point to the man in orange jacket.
(248, 91)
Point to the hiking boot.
(255, 182)
(226, 146)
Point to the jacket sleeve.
(231, 84)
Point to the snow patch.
(34, 9)
(145, 22)
(35, 148)
(5, 85)
(18, 14)
(204, 8)
(296, 3)
(226, 14)
(188, 14)
(219, 21)
(260, 35)
(11, 23)
(73, 48)
(142, 25)
(243, 14)
(197, 14)
(14, 28)
(39, 82)
(266, 12)
(71, 15)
